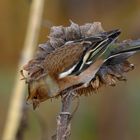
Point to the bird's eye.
(35, 97)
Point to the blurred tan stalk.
(15, 108)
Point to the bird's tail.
(126, 50)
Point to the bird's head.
(41, 86)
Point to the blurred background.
(114, 113)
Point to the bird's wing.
(90, 55)
(66, 57)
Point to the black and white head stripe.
(92, 52)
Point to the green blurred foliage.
(113, 114)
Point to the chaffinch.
(78, 57)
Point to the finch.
(78, 57)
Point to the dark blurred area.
(114, 113)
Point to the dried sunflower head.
(80, 57)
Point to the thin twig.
(15, 111)
(23, 124)
(64, 118)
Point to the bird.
(77, 61)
